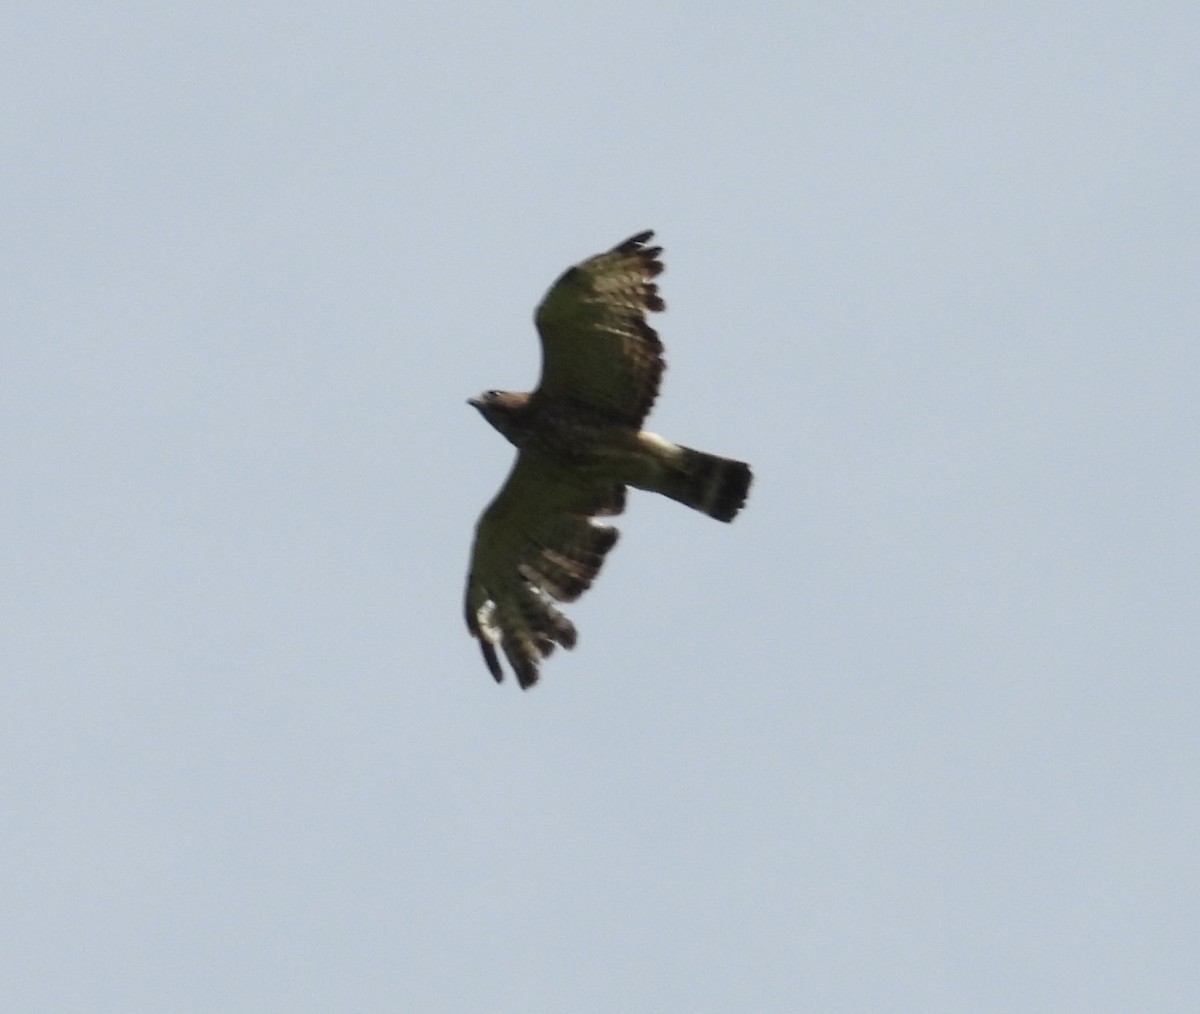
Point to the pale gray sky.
(920, 731)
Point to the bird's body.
(580, 443)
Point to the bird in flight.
(580, 442)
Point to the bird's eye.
(492, 394)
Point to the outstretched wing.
(536, 543)
(597, 348)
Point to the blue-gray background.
(918, 732)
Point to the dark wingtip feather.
(606, 538)
(493, 663)
(527, 674)
(636, 245)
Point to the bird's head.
(503, 409)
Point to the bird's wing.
(597, 348)
(537, 542)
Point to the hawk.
(580, 442)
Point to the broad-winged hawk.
(579, 444)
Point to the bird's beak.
(475, 402)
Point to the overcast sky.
(919, 731)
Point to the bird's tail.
(713, 485)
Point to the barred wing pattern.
(537, 543)
(597, 349)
